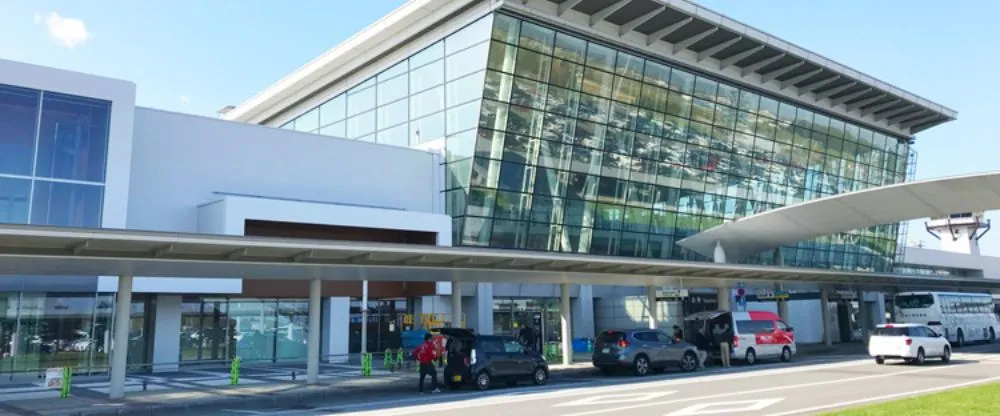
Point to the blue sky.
(198, 56)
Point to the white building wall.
(180, 162)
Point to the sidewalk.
(181, 391)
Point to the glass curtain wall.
(511, 315)
(256, 330)
(421, 100)
(384, 325)
(49, 330)
(53, 150)
(591, 149)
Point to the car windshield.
(914, 301)
(891, 332)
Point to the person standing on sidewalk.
(426, 353)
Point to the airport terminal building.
(598, 127)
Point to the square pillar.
(313, 345)
(166, 333)
(651, 305)
(824, 305)
(119, 352)
(456, 305)
(484, 309)
(564, 313)
(336, 319)
(724, 298)
(583, 312)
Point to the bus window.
(914, 301)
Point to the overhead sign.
(765, 294)
(672, 293)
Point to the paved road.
(809, 387)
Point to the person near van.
(725, 340)
(527, 337)
(678, 334)
(426, 353)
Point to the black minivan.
(481, 360)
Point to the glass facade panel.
(586, 148)
(418, 101)
(14, 194)
(18, 124)
(73, 138)
(67, 204)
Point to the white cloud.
(66, 31)
(184, 99)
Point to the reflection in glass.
(18, 121)
(73, 137)
(14, 194)
(67, 204)
(606, 152)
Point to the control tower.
(959, 233)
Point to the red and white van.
(756, 334)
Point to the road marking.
(763, 390)
(716, 408)
(615, 398)
(489, 399)
(888, 397)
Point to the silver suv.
(642, 350)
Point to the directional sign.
(718, 408)
(616, 398)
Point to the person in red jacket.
(426, 353)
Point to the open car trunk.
(698, 328)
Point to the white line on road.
(755, 391)
(887, 397)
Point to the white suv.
(910, 342)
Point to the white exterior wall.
(181, 162)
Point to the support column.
(863, 318)
(651, 302)
(119, 347)
(567, 335)
(720, 253)
(824, 304)
(364, 317)
(782, 303)
(313, 345)
(724, 304)
(484, 309)
(456, 305)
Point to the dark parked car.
(482, 360)
(642, 350)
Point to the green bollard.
(67, 380)
(387, 360)
(234, 372)
(368, 364)
(399, 357)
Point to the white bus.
(961, 317)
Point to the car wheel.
(689, 362)
(607, 371)
(751, 357)
(879, 360)
(921, 358)
(540, 376)
(641, 365)
(960, 339)
(786, 354)
(946, 356)
(483, 380)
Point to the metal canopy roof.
(32, 250)
(684, 25)
(890, 204)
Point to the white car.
(910, 342)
